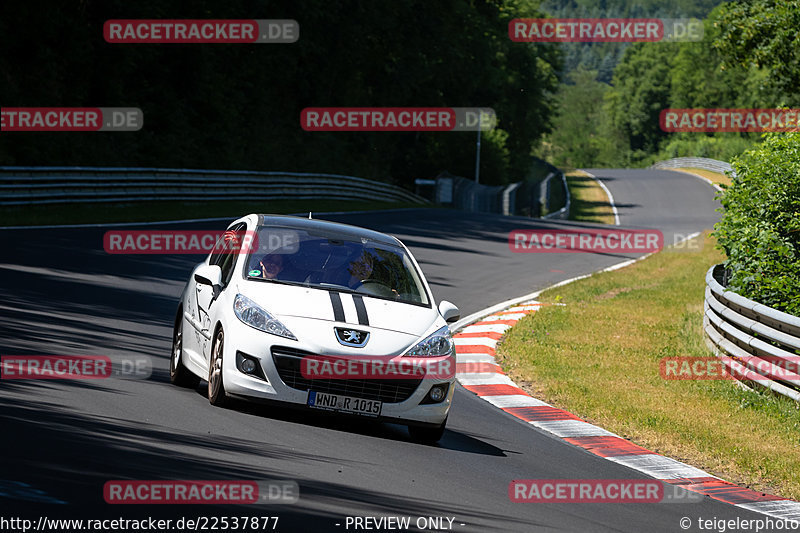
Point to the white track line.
(610, 196)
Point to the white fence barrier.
(695, 162)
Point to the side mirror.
(208, 275)
(449, 311)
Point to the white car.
(318, 315)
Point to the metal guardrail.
(526, 198)
(696, 162)
(461, 193)
(563, 213)
(757, 343)
(510, 198)
(50, 185)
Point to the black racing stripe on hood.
(338, 309)
(361, 310)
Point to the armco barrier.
(696, 162)
(547, 197)
(758, 344)
(526, 198)
(49, 185)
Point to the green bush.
(724, 147)
(760, 226)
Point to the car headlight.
(256, 317)
(438, 344)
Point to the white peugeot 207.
(320, 315)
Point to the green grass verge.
(170, 210)
(589, 202)
(598, 357)
(715, 177)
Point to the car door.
(208, 297)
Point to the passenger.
(271, 266)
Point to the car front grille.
(288, 363)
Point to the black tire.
(216, 388)
(427, 435)
(178, 374)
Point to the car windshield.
(329, 260)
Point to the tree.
(762, 33)
(641, 88)
(580, 136)
(238, 106)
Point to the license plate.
(343, 404)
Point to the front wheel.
(427, 435)
(178, 374)
(216, 388)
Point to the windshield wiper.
(342, 288)
(321, 285)
(281, 281)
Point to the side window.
(227, 260)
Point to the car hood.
(294, 303)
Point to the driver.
(360, 270)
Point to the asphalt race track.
(62, 294)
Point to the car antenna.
(309, 215)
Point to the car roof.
(343, 231)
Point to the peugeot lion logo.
(352, 337)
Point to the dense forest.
(603, 57)
(746, 60)
(237, 106)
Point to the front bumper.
(402, 401)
